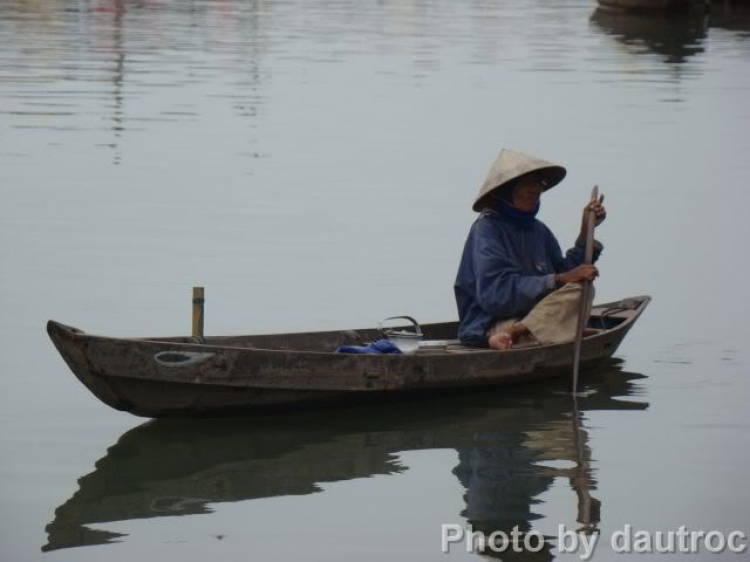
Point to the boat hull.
(654, 5)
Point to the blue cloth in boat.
(508, 265)
(378, 347)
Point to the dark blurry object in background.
(676, 36)
(655, 5)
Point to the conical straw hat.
(510, 165)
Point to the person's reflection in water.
(505, 477)
(500, 492)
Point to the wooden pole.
(198, 301)
(582, 316)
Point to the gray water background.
(313, 165)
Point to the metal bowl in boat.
(406, 340)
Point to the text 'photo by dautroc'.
(392, 280)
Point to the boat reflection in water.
(510, 444)
(733, 16)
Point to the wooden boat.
(655, 5)
(230, 375)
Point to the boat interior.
(437, 337)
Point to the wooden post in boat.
(198, 301)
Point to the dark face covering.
(509, 213)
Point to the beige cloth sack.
(554, 319)
(510, 165)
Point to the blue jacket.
(505, 270)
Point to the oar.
(582, 319)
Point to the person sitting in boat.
(514, 286)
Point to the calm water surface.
(313, 165)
